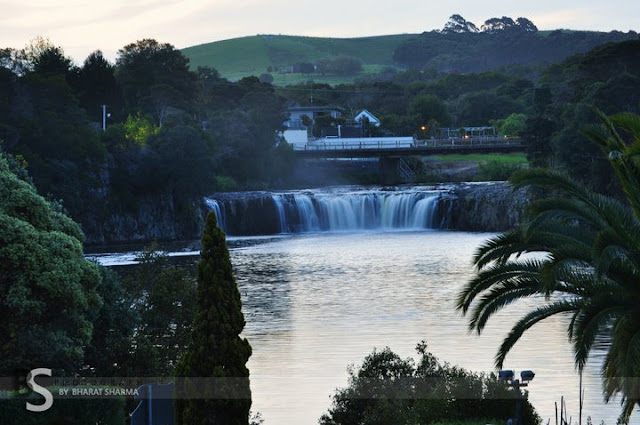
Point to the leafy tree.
(216, 349)
(429, 107)
(48, 291)
(52, 61)
(182, 165)
(480, 108)
(246, 129)
(537, 136)
(457, 24)
(515, 89)
(138, 129)
(494, 25)
(589, 268)
(513, 125)
(526, 25)
(48, 128)
(41, 56)
(108, 353)
(153, 77)
(95, 85)
(163, 299)
(388, 389)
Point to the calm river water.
(316, 303)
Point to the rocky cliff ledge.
(484, 207)
(154, 218)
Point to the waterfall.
(316, 211)
(213, 205)
(281, 213)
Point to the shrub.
(496, 170)
(388, 389)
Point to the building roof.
(372, 118)
(314, 108)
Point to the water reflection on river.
(316, 303)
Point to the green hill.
(241, 57)
(444, 52)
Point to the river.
(318, 301)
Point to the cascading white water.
(309, 220)
(325, 211)
(281, 213)
(213, 205)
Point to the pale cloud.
(82, 26)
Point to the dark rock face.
(485, 207)
(155, 218)
(249, 213)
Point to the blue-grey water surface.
(317, 303)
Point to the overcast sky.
(82, 26)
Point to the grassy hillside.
(241, 57)
(444, 52)
(234, 59)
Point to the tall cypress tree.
(216, 349)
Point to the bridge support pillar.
(390, 170)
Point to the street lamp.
(105, 115)
(526, 376)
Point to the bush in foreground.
(388, 389)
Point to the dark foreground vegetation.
(387, 389)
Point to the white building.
(297, 112)
(373, 120)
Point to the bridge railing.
(475, 140)
(341, 145)
(404, 143)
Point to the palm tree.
(579, 253)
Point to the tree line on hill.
(461, 47)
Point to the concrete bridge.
(391, 150)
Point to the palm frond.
(526, 322)
(500, 248)
(495, 275)
(590, 321)
(498, 298)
